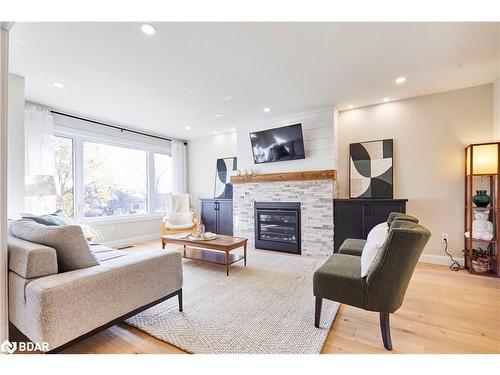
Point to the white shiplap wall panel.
(318, 128)
(318, 133)
(320, 144)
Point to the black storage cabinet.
(354, 218)
(217, 215)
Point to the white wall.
(202, 155)
(496, 96)
(319, 142)
(496, 108)
(15, 166)
(4, 60)
(430, 134)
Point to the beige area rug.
(266, 307)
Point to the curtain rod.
(112, 126)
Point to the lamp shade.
(40, 185)
(484, 159)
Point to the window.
(105, 179)
(162, 187)
(64, 175)
(115, 180)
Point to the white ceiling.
(189, 72)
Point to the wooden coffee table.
(211, 251)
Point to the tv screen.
(278, 144)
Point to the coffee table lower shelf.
(215, 251)
(212, 256)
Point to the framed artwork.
(223, 170)
(370, 169)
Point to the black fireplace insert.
(277, 226)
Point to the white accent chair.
(179, 217)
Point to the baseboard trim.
(439, 259)
(132, 240)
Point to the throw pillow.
(56, 218)
(73, 250)
(374, 242)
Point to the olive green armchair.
(383, 289)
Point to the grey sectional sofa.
(63, 308)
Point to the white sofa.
(63, 308)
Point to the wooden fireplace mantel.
(325, 174)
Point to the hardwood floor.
(443, 312)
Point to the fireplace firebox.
(277, 226)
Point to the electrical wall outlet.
(444, 237)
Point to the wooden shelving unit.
(482, 166)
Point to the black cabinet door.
(209, 215)
(348, 222)
(225, 213)
(354, 218)
(378, 213)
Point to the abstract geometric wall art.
(370, 169)
(223, 170)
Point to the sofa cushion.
(56, 218)
(339, 279)
(29, 259)
(105, 253)
(352, 246)
(400, 216)
(179, 226)
(179, 218)
(73, 251)
(178, 203)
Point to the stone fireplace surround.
(315, 197)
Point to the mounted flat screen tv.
(278, 144)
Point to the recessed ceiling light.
(148, 29)
(267, 109)
(386, 100)
(219, 115)
(400, 80)
(188, 127)
(59, 85)
(350, 106)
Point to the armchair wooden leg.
(317, 312)
(179, 296)
(385, 328)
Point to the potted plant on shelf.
(480, 260)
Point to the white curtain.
(39, 156)
(178, 167)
